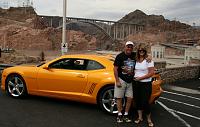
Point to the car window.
(94, 65)
(79, 64)
(70, 64)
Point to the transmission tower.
(25, 3)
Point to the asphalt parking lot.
(182, 101)
(177, 107)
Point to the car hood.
(20, 69)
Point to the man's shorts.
(125, 90)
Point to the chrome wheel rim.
(15, 86)
(109, 102)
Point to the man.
(123, 71)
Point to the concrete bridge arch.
(114, 30)
(91, 23)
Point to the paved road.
(177, 107)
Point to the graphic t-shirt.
(125, 61)
(141, 69)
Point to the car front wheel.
(15, 86)
(106, 100)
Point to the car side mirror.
(46, 67)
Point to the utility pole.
(4, 42)
(64, 46)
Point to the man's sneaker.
(119, 119)
(126, 119)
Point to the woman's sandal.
(137, 121)
(150, 124)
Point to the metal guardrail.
(3, 66)
(157, 71)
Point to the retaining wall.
(180, 73)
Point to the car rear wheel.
(106, 100)
(15, 86)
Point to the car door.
(63, 78)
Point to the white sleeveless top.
(141, 69)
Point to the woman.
(142, 86)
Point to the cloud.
(108, 15)
(184, 10)
(48, 7)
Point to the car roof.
(88, 56)
(106, 60)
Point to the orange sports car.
(83, 78)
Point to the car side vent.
(91, 90)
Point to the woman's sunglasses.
(142, 50)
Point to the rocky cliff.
(21, 28)
(154, 22)
(159, 30)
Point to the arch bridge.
(115, 30)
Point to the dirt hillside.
(160, 30)
(21, 28)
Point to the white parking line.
(182, 95)
(174, 114)
(181, 89)
(182, 113)
(180, 102)
(195, 117)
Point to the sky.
(186, 11)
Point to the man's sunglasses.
(129, 47)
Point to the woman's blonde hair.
(144, 47)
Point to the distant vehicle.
(7, 50)
(82, 78)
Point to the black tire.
(15, 86)
(106, 100)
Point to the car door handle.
(80, 76)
